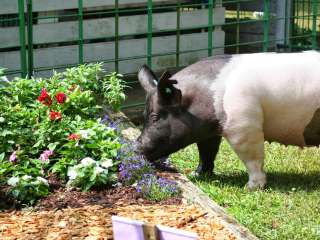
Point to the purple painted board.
(127, 229)
(166, 233)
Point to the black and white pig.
(246, 99)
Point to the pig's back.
(285, 88)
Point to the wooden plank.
(11, 6)
(57, 56)
(100, 28)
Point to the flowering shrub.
(157, 189)
(27, 188)
(135, 170)
(91, 173)
(51, 125)
(132, 169)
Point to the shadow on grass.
(277, 181)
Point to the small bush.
(28, 189)
(50, 125)
(90, 173)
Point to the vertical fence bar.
(22, 36)
(314, 23)
(80, 20)
(285, 37)
(238, 28)
(116, 31)
(149, 50)
(30, 38)
(210, 27)
(303, 17)
(309, 13)
(178, 34)
(266, 28)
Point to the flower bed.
(51, 127)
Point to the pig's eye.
(154, 117)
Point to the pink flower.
(44, 157)
(13, 157)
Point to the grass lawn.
(289, 208)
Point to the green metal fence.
(246, 29)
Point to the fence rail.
(37, 36)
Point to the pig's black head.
(167, 126)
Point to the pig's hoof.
(198, 174)
(257, 184)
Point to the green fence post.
(314, 23)
(266, 28)
(178, 33)
(22, 36)
(80, 19)
(149, 50)
(116, 31)
(210, 27)
(30, 38)
(238, 28)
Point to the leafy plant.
(90, 173)
(113, 90)
(28, 189)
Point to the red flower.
(55, 116)
(44, 98)
(74, 136)
(61, 97)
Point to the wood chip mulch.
(70, 214)
(94, 222)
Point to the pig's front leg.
(208, 150)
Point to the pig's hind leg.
(244, 132)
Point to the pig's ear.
(168, 93)
(147, 78)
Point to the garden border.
(190, 192)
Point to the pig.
(246, 99)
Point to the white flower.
(99, 170)
(26, 177)
(44, 181)
(72, 174)
(13, 181)
(87, 161)
(107, 163)
(84, 133)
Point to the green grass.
(289, 207)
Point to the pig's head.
(167, 123)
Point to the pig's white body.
(266, 96)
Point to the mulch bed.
(70, 214)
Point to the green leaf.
(52, 146)
(2, 155)
(37, 144)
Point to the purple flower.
(156, 188)
(13, 157)
(44, 157)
